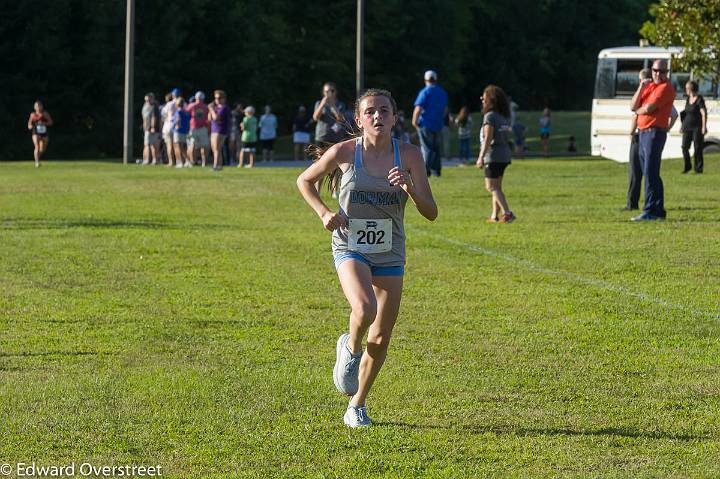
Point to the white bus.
(616, 81)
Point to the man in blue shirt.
(428, 118)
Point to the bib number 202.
(370, 236)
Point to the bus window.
(706, 87)
(679, 79)
(626, 81)
(605, 78)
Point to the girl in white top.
(371, 282)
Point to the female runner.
(374, 174)
(38, 124)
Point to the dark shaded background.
(70, 54)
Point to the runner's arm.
(415, 182)
(30, 122)
(327, 163)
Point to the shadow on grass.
(55, 353)
(43, 224)
(533, 432)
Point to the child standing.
(545, 127)
(249, 127)
(463, 121)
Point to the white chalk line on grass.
(569, 275)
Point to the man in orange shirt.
(652, 103)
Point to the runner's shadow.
(534, 432)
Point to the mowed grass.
(189, 319)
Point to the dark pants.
(652, 142)
(464, 149)
(695, 137)
(634, 174)
(430, 144)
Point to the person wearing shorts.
(375, 175)
(545, 128)
(151, 129)
(249, 128)
(219, 126)
(495, 154)
(182, 128)
(38, 124)
(167, 118)
(198, 137)
(268, 133)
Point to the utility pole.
(359, 49)
(129, 77)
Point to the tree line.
(70, 54)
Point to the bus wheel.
(711, 148)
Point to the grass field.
(189, 318)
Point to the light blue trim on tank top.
(340, 258)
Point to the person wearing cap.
(653, 103)
(431, 108)
(198, 136)
(151, 129)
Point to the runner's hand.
(332, 221)
(401, 178)
(480, 163)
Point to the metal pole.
(129, 63)
(359, 49)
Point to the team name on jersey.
(375, 198)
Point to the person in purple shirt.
(219, 126)
(431, 108)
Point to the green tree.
(695, 26)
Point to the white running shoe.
(347, 367)
(356, 416)
(179, 165)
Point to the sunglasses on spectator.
(659, 71)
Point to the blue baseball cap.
(199, 96)
(176, 92)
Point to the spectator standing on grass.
(219, 114)
(653, 103)
(249, 128)
(181, 130)
(464, 124)
(495, 154)
(694, 127)
(236, 117)
(375, 175)
(151, 129)
(301, 133)
(268, 133)
(519, 130)
(329, 115)
(428, 119)
(167, 117)
(198, 128)
(38, 124)
(635, 171)
(545, 130)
